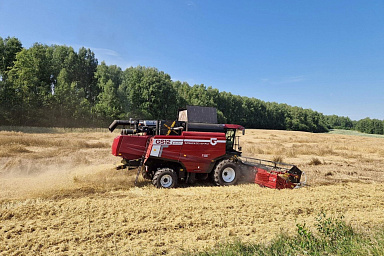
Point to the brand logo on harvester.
(163, 142)
(213, 141)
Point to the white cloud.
(112, 57)
(109, 56)
(284, 80)
(104, 52)
(293, 79)
(191, 3)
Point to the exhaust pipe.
(115, 123)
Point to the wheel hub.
(166, 181)
(228, 174)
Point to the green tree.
(255, 113)
(109, 79)
(338, 122)
(85, 74)
(31, 82)
(372, 126)
(9, 47)
(198, 96)
(182, 93)
(69, 108)
(276, 116)
(150, 93)
(231, 106)
(377, 126)
(64, 57)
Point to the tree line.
(58, 86)
(366, 125)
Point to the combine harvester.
(194, 148)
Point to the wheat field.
(60, 194)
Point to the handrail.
(253, 160)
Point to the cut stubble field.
(60, 194)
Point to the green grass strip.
(332, 237)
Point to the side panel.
(166, 147)
(164, 152)
(195, 150)
(116, 145)
(199, 150)
(129, 146)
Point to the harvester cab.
(193, 147)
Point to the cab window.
(230, 137)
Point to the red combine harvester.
(193, 148)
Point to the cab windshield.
(230, 137)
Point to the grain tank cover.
(198, 114)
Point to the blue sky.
(324, 55)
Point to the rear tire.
(226, 173)
(165, 178)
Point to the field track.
(60, 194)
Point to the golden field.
(60, 194)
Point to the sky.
(326, 55)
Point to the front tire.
(147, 174)
(165, 178)
(226, 173)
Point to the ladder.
(141, 165)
